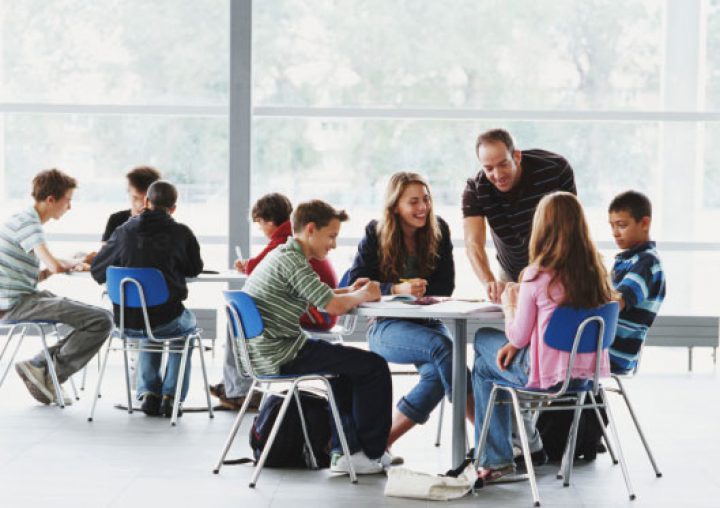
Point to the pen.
(238, 252)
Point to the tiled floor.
(53, 457)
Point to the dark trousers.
(362, 390)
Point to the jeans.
(427, 344)
(362, 390)
(498, 448)
(149, 377)
(90, 326)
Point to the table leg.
(459, 392)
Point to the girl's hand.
(240, 265)
(359, 283)
(509, 296)
(414, 287)
(505, 356)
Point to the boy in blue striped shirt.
(637, 275)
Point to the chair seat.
(10, 322)
(196, 331)
(279, 377)
(576, 386)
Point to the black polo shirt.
(510, 214)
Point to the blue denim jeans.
(149, 377)
(498, 448)
(427, 344)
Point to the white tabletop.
(443, 310)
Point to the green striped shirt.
(283, 285)
(19, 266)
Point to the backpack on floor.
(289, 448)
(554, 428)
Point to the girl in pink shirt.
(565, 269)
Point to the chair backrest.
(131, 285)
(344, 279)
(582, 331)
(136, 288)
(244, 324)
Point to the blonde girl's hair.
(392, 251)
(561, 243)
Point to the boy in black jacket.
(154, 240)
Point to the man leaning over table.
(504, 195)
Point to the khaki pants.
(90, 327)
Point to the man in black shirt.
(154, 240)
(139, 179)
(504, 194)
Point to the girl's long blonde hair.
(560, 242)
(392, 251)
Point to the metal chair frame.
(21, 327)
(534, 400)
(165, 342)
(237, 333)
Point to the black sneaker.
(151, 404)
(539, 458)
(166, 407)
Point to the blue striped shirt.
(19, 266)
(638, 276)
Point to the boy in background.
(637, 275)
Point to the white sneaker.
(388, 459)
(362, 464)
(34, 379)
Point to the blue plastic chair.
(143, 288)
(42, 328)
(575, 331)
(245, 324)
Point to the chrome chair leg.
(74, 388)
(180, 380)
(198, 344)
(271, 437)
(625, 397)
(12, 357)
(235, 428)
(616, 437)
(340, 429)
(51, 368)
(127, 375)
(440, 421)
(100, 378)
(601, 422)
(573, 439)
(525, 446)
(303, 425)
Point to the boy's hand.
(505, 356)
(372, 288)
(240, 265)
(359, 283)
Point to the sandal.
(504, 474)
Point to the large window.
(96, 89)
(345, 92)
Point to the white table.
(479, 311)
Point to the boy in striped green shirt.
(283, 285)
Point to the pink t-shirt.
(548, 366)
